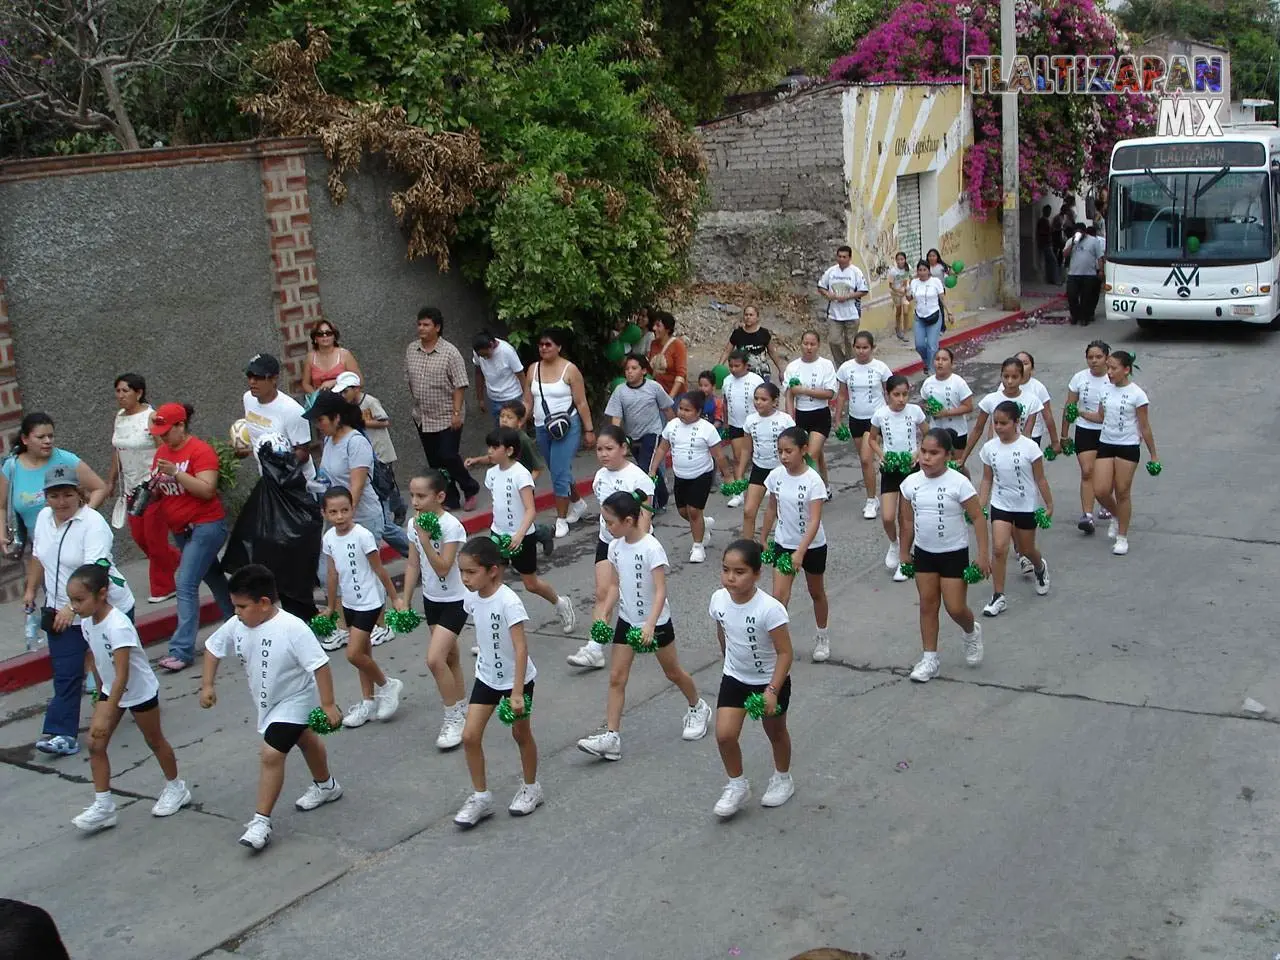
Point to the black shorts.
(664, 633)
(694, 493)
(734, 693)
(1117, 451)
(284, 736)
(144, 707)
(364, 620)
(526, 560)
(445, 613)
(892, 482)
(734, 433)
(1038, 441)
(858, 426)
(815, 560)
(960, 444)
(1020, 521)
(759, 475)
(1087, 440)
(602, 550)
(949, 565)
(482, 693)
(815, 421)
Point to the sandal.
(172, 664)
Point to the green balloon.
(615, 351)
(720, 371)
(950, 282)
(958, 267)
(1193, 244)
(631, 333)
(615, 383)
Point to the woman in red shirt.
(185, 483)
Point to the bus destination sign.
(1164, 156)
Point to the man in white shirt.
(267, 410)
(499, 373)
(843, 286)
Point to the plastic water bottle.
(31, 628)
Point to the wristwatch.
(770, 689)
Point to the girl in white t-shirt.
(756, 643)
(763, 428)
(696, 454)
(434, 561)
(895, 428)
(935, 537)
(1044, 420)
(862, 381)
(1028, 407)
(739, 391)
(1085, 391)
(638, 587)
(952, 391)
(810, 382)
(355, 564)
(510, 486)
(926, 293)
(1013, 472)
(1123, 415)
(503, 668)
(796, 496)
(124, 681)
(899, 277)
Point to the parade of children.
(896, 429)
(696, 456)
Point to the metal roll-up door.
(909, 241)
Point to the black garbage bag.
(280, 527)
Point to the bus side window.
(1275, 212)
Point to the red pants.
(152, 535)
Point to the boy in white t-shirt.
(289, 676)
(354, 563)
(377, 427)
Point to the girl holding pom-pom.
(862, 381)
(935, 503)
(1084, 393)
(1013, 470)
(1123, 415)
(638, 585)
(1027, 406)
(763, 428)
(504, 671)
(810, 382)
(696, 454)
(796, 496)
(896, 429)
(1044, 421)
(756, 643)
(435, 535)
(947, 398)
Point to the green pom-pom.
(1043, 520)
(908, 570)
(986, 513)
(318, 722)
(953, 464)
(769, 556)
(972, 574)
(843, 433)
(1068, 447)
(933, 406)
(813, 464)
(635, 637)
(793, 382)
(1154, 467)
(1072, 412)
(601, 632)
(504, 545)
(967, 520)
(431, 524)
(1022, 411)
(754, 705)
(1050, 454)
(323, 626)
(724, 433)
(403, 621)
(726, 488)
(508, 716)
(784, 564)
(896, 462)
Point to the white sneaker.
(527, 799)
(697, 553)
(590, 654)
(926, 669)
(380, 635)
(360, 714)
(256, 835)
(1042, 577)
(734, 798)
(477, 807)
(576, 509)
(899, 576)
(1026, 566)
(697, 720)
(606, 745)
(387, 700)
(869, 509)
(97, 816)
(821, 649)
(996, 607)
(1121, 546)
(568, 616)
(172, 798)
(336, 640)
(892, 557)
(781, 789)
(735, 500)
(451, 731)
(973, 646)
(318, 796)
(1113, 528)
(562, 531)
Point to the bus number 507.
(1122, 306)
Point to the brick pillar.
(295, 288)
(11, 574)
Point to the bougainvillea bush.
(1062, 140)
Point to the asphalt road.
(1092, 790)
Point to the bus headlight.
(1248, 288)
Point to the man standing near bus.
(1085, 254)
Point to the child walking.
(756, 644)
(862, 379)
(510, 415)
(796, 496)
(124, 681)
(696, 454)
(288, 676)
(895, 428)
(354, 563)
(763, 428)
(638, 585)
(503, 666)
(739, 403)
(434, 560)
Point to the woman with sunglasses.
(556, 397)
(327, 359)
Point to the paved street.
(1093, 790)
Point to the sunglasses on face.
(546, 344)
(321, 333)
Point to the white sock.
(261, 819)
(328, 784)
(371, 701)
(739, 781)
(784, 776)
(175, 782)
(103, 798)
(484, 794)
(822, 633)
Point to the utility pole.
(1012, 292)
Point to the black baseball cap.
(262, 365)
(327, 404)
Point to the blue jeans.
(927, 340)
(66, 651)
(392, 532)
(199, 562)
(559, 455)
(643, 452)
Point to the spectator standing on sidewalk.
(499, 373)
(668, 354)
(437, 379)
(267, 410)
(1062, 227)
(556, 397)
(1085, 253)
(843, 286)
(1044, 241)
(327, 359)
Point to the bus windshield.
(1209, 216)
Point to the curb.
(34, 667)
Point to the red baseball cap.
(166, 417)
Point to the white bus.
(1192, 228)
